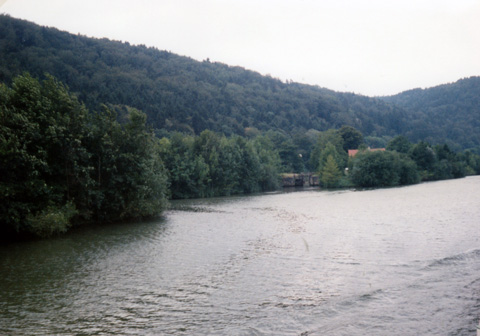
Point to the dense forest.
(95, 131)
(60, 164)
(180, 94)
(446, 112)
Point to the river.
(399, 261)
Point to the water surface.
(400, 261)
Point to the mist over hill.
(180, 94)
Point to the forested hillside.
(93, 130)
(181, 94)
(445, 112)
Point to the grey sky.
(372, 47)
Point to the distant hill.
(449, 111)
(180, 94)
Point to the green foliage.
(447, 112)
(423, 155)
(331, 151)
(399, 144)
(109, 165)
(330, 174)
(383, 169)
(188, 172)
(352, 138)
(270, 163)
(448, 163)
(60, 165)
(214, 165)
(407, 170)
(52, 220)
(472, 162)
(43, 161)
(375, 169)
(332, 137)
(130, 179)
(181, 94)
(376, 142)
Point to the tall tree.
(352, 138)
(330, 174)
(59, 165)
(330, 136)
(328, 151)
(399, 144)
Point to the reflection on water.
(397, 261)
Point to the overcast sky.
(371, 47)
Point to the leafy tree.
(376, 142)
(188, 173)
(270, 163)
(399, 144)
(352, 138)
(290, 155)
(407, 170)
(423, 155)
(60, 165)
(45, 167)
(330, 173)
(332, 137)
(375, 169)
(328, 151)
(141, 180)
(448, 164)
(383, 168)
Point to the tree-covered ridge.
(90, 154)
(447, 112)
(181, 94)
(61, 164)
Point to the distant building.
(353, 152)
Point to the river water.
(400, 261)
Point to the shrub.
(53, 220)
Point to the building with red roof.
(353, 152)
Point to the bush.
(383, 169)
(51, 221)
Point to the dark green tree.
(375, 169)
(399, 144)
(45, 166)
(270, 163)
(425, 158)
(60, 166)
(352, 138)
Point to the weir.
(300, 180)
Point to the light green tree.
(331, 150)
(330, 174)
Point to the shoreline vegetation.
(63, 165)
